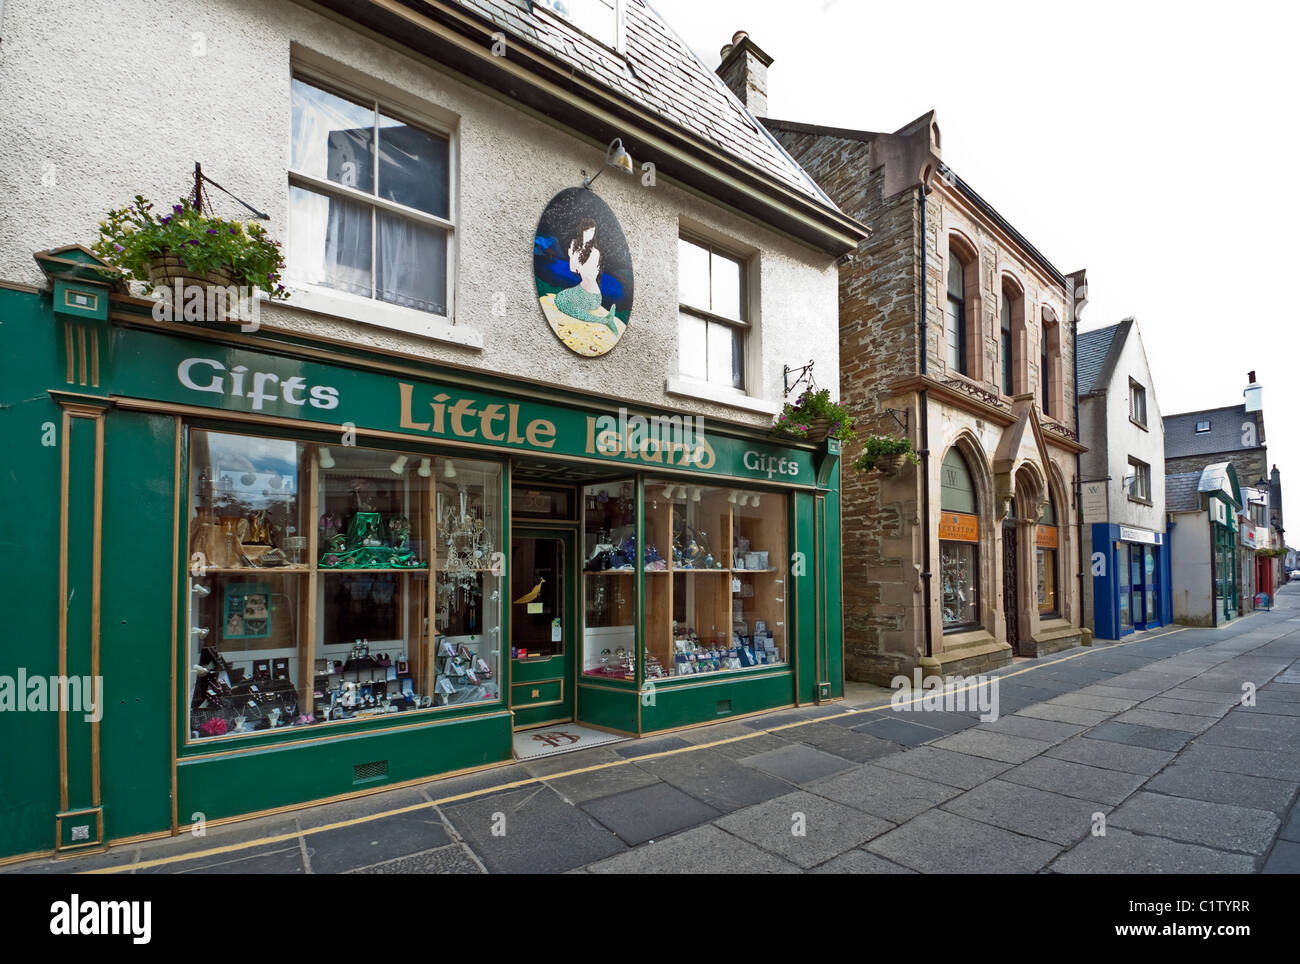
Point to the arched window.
(955, 329)
(1048, 545)
(959, 532)
(1050, 365)
(1008, 343)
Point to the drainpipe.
(1078, 470)
(924, 453)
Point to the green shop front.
(305, 572)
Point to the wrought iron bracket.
(805, 372)
(902, 422)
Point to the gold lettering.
(438, 409)
(515, 438)
(405, 391)
(541, 433)
(487, 415)
(458, 412)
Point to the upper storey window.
(370, 209)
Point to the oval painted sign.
(583, 272)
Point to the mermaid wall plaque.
(583, 272)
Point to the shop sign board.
(959, 527)
(1131, 534)
(1095, 507)
(189, 372)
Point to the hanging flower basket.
(167, 268)
(818, 429)
(190, 246)
(814, 418)
(885, 454)
(891, 464)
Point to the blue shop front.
(1131, 579)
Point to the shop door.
(1010, 584)
(1138, 581)
(1149, 581)
(542, 605)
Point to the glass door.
(1138, 581)
(541, 626)
(1125, 590)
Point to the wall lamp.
(616, 157)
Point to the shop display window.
(309, 583)
(715, 577)
(1047, 538)
(959, 582)
(959, 533)
(609, 579)
(464, 658)
(1046, 581)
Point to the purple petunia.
(178, 209)
(213, 231)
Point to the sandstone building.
(957, 332)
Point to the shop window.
(958, 545)
(609, 579)
(1047, 542)
(369, 201)
(712, 319)
(715, 578)
(1137, 403)
(309, 583)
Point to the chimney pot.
(744, 70)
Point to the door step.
(561, 738)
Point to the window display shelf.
(329, 569)
(269, 570)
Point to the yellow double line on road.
(469, 795)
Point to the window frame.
(619, 46)
(1049, 375)
(962, 321)
(373, 310)
(1137, 392)
(744, 324)
(1141, 471)
(1007, 341)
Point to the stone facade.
(918, 211)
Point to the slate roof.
(1181, 491)
(1096, 354)
(1224, 435)
(659, 73)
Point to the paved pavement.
(1120, 758)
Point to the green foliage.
(877, 447)
(795, 420)
(133, 236)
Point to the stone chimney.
(744, 69)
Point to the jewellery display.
(723, 575)
(364, 554)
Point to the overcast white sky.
(1151, 143)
